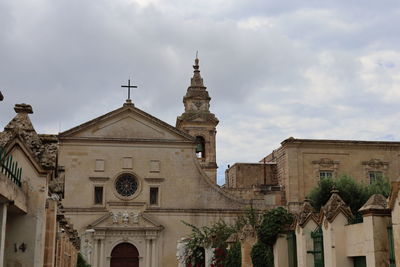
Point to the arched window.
(200, 147)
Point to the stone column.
(148, 253)
(101, 260)
(3, 224)
(95, 252)
(154, 255)
(248, 238)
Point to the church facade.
(131, 179)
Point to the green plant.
(262, 255)
(214, 236)
(273, 222)
(234, 256)
(81, 262)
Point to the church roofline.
(161, 123)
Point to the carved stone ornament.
(247, 231)
(114, 217)
(376, 164)
(125, 217)
(135, 217)
(334, 206)
(305, 212)
(326, 224)
(326, 163)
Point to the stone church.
(131, 179)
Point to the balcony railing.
(10, 168)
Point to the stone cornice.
(91, 209)
(125, 203)
(154, 180)
(196, 211)
(99, 179)
(125, 140)
(295, 141)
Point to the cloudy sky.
(274, 69)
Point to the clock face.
(126, 185)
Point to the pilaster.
(3, 224)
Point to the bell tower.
(199, 122)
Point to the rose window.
(126, 185)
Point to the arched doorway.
(124, 255)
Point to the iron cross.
(129, 86)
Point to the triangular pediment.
(129, 220)
(127, 122)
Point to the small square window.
(98, 195)
(325, 174)
(153, 195)
(375, 176)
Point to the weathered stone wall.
(306, 158)
(246, 175)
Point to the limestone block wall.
(334, 240)
(28, 229)
(299, 162)
(305, 243)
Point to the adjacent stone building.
(31, 221)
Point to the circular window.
(126, 185)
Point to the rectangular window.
(325, 174)
(98, 195)
(375, 176)
(153, 195)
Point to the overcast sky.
(274, 69)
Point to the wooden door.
(125, 255)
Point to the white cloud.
(274, 69)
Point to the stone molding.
(306, 214)
(154, 180)
(99, 179)
(124, 203)
(375, 164)
(325, 164)
(334, 206)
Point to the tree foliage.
(353, 194)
